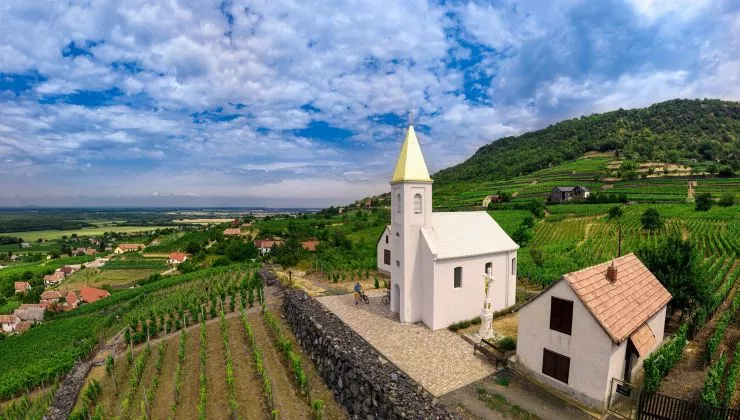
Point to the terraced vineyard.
(208, 349)
(177, 242)
(577, 236)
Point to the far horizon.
(211, 104)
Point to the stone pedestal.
(486, 318)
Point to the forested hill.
(671, 131)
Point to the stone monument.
(486, 314)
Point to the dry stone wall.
(365, 383)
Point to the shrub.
(657, 365)
(507, 343)
(475, 321)
(650, 219)
(727, 199)
(710, 393)
(704, 202)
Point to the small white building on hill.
(437, 260)
(591, 326)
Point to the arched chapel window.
(417, 204)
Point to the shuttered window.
(555, 365)
(561, 315)
(387, 257)
(458, 277)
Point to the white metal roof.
(466, 234)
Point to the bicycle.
(363, 297)
(387, 297)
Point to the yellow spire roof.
(411, 165)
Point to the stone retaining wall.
(363, 381)
(66, 395)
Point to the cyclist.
(358, 291)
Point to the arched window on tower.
(417, 204)
(398, 202)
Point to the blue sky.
(272, 102)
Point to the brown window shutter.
(555, 365)
(566, 311)
(562, 368)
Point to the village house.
(79, 251)
(264, 245)
(70, 301)
(31, 312)
(25, 245)
(49, 297)
(92, 294)
(68, 270)
(383, 252)
(438, 259)
(591, 326)
(121, 248)
(310, 245)
(54, 278)
(9, 323)
(90, 251)
(491, 199)
(22, 286)
(562, 194)
(232, 232)
(177, 258)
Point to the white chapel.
(437, 261)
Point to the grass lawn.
(32, 236)
(97, 278)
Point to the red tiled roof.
(234, 231)
(21, 286)
(621, 307)
(91, 294)
(51, 294)
(178, 256)
(130, 246)
(71, 298)
(643, 339)
(264, 243)
(9, 319)
(310, 245)
(57, 276)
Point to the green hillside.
(694, 132)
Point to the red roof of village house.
(130, 246)
(22, 286)
(310, 245)
(51, 294)
(263, 243)
(9, 319)
(178, 256)
(56, 276)
(234, 231)
(90, 251)
(622, 306)
(91, 294)
(71, 298)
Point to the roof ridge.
(600, 264)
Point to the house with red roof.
(90, 251)
(92, 294)
(31, 312)
(9, 323)
(22, 286)
(310, 245)
(232, 232)
(121, 248)
(177, 258)
(70, 301)
(264, 245)
(54, 278)
(592, 326)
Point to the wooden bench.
(490, 351)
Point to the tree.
(704, 202)
(651, 219)
(240, 251)
(727, 199)
(220, 262)
(615, 212)
(726, 172)
(522, 236)
(192, 248)
(677, 264)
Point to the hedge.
(657, 365)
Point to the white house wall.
(588, 347)
(466, 302)
(379, 254)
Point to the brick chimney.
(611, 273)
